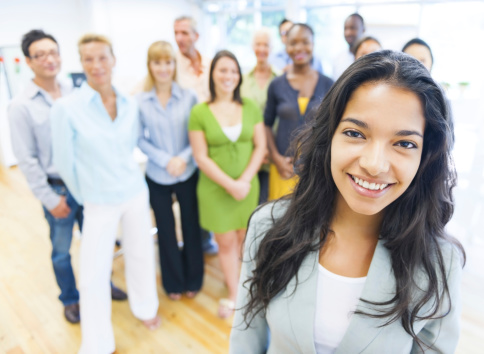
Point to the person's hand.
(284, 166)
(62, 209)
(266, 158)
(239, 189)
(176, 166)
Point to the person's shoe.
(174, 296)
(71, 312)
(226, 308)
(209, 246)
(117, 294)
(191, 294)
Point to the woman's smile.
(367, 188)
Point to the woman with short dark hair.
(291, 98)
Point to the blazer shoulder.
(266, 215)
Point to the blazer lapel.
(380, 286)
(301, 304)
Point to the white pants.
(96, 257)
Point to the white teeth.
(367, 185)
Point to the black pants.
(181, 270)
(264, 186)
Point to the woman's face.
(367, 47)
(299, 45)
(225, 75)
(377, 146)
(162, 70)
(421, 53)
(98, 62)
(261, 46)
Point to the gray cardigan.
(288, 324)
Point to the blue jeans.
(61, 237)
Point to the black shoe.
(71, 312)
(118, 294)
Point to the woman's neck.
(223, 97)
(262, 66)
(300, 69)
(163, 87)
(346, 223)
(106, 91)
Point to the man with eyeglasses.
(28, 115)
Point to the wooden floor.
(31, 317)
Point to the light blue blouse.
(164, 133)
(93, 153)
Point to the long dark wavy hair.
(413, 226)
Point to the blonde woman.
(94, 132)
(164, 111)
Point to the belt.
(55, 182)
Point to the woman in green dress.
(228, 143)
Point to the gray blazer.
(288, 324)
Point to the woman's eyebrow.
(364, 125)
(408, 133)
(359, 123)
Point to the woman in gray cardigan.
(356, 259)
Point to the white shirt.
(341, 63)
(187, 78)
(233, 132)
(337, 298)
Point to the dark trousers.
(181, 270)
(264, 186)
(61, 237)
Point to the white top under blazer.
(336, 300)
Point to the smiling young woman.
(164, 108)
(291, 98)
(357, 259)
(228, 142)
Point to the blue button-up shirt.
(93, 153)
(164, 133)
(28, 115)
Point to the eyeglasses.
(44, 55)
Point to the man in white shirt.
(354, 28)
(192, 71)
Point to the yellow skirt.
(279, 187)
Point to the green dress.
(219, 211)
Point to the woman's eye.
(353, 134)
(406, 145)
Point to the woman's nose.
(374, 159)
